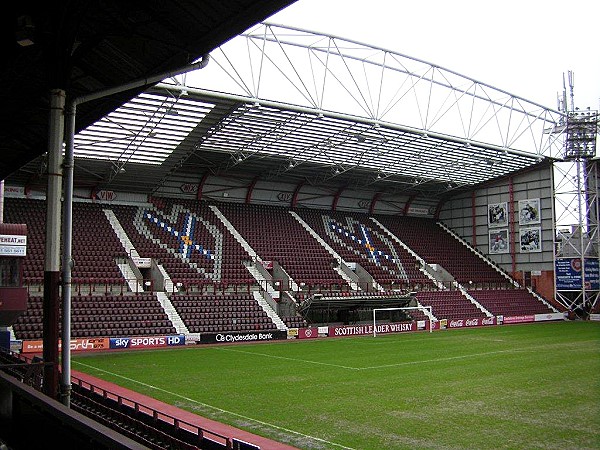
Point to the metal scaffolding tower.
(577, 239)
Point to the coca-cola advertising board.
(472, 322)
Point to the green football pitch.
(513, 387)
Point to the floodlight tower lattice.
(577, 239)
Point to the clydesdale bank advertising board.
(225, 338)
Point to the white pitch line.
(472, 355)
(217, 408)
(306, 361)
(404, 363)
(449, 358)
(383, 366)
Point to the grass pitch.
(512, 387)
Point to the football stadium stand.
(208, 282)
(204, 216)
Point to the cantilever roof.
(85, 47)
(291, 105)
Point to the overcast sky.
(520, 46)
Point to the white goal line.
(419, 308)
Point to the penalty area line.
(215, 408)
(473, 355)
(425, 361)
(287, 358)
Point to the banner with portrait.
(529, 211)
(497, 215)
(499, 241)
(530, 239)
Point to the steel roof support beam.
(54, 195)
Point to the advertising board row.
(133, 343)
(88, 344)
(421, 325)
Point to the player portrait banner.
(530, 240)
(529, 211)
(497, 215)
(499, 241)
